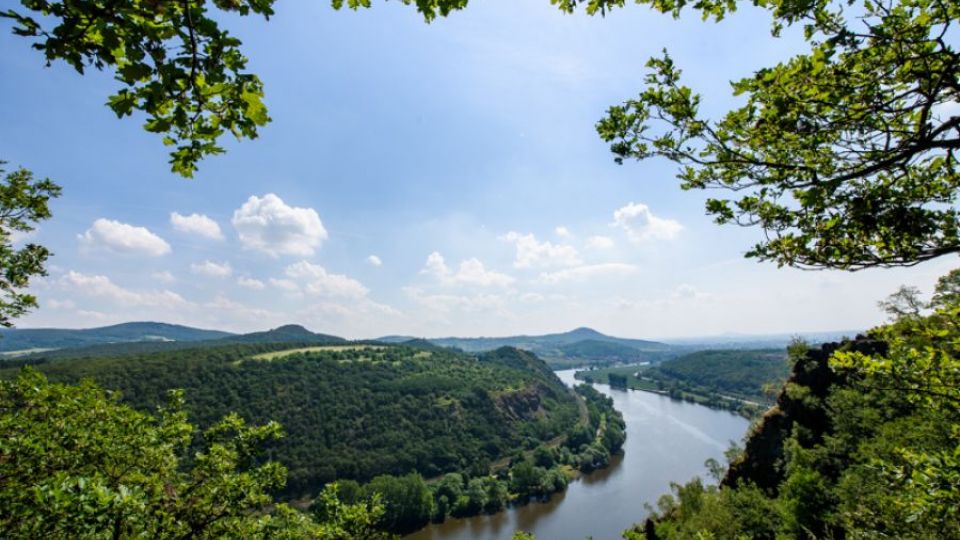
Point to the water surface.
(667, 441)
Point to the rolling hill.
(27, 339)
(576, 347)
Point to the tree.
(76, 463)
(174, 62)
(844, 156)
(23, 202)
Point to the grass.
(321, 348)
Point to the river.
(667, 441)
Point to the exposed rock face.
(523, 404)
(762, 460)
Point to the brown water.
(667, 441)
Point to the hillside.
(576, 347)
(737, 380)
(291, 335)
(56, 338)
(352, 411)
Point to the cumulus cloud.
(534, 254)
(251, 283)
(318, 281)
(101, 287)
(599, 242)
(685, 291)
(269, 225)
(197, 224)
(284, 284)
(641, 225)
(121, 238)
(562, 232)
(446, 303)
(587, 272)
(373, 260)
(163, 277)
(471, 272)
(212, 269)
(59, 304)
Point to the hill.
(736, 380)
(17, 339)
(561, 350)
(290, 335)
(351, 411)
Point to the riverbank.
(668, 441)
(632, 377)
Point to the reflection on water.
(667, 441)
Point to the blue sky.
(460, 155)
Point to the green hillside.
(566, 349)
(353, 411)
(58, 338)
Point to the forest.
(861, 443)
(742, 381)
(407, 423)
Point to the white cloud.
(102, 287)
(212, 269)
(641, 225)
(284, 284)
(59, 304)
(121, 238)
(587, 272)
(268, 225)
(262, 317)
(599, 242)
(163, 277)
(471, 272)
(534, 254)
(373, 260)
(250, 283)
(198, 224)
(562, 232)
(319, 282)
(446, 303)
(685, 291)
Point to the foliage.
(172, 59)
(352, 413)
(410, 501)
(74, 462)
(883, 462)
(844, 156)
(735, 380)
(23, 202)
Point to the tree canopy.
(843, 156)
(23, 202)
(76, 463)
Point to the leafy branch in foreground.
(76, 463)
(844, 156)
(174, 62)
(23, 202)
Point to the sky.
(427, 180)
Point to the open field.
(321, 348)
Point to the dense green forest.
(578, 347)
(410, 501)
(27, 339)
(743, 381)
(403, 434)
(862, 442)
(355, 411)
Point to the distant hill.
(290, 334)
(576, 347)
(26, 339)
